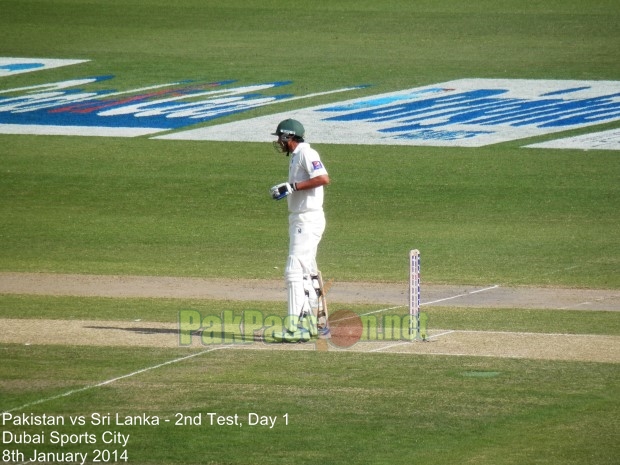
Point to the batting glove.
(279, 191)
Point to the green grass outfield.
(331, 407)
(342, 408)
(501, 214)
(498, 214)
(513, 216)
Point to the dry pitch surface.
(440, 341)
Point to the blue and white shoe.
(324, 333)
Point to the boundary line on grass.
(110, 381)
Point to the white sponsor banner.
(604, 140)
(66, 108)
(50, 130)
(10, 66)
(464, 113)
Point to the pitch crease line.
(441, 334)
(407, 342)
(379, 311)
(490, 288)
(390, 346)
(110, 381)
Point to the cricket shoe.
(299, 335)
(324, 333)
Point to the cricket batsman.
(304, 194)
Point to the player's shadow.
(137, 330)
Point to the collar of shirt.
(299, 147)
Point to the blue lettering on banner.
(464, 112)
(162, 107)
(13, 65)
(66, 108)
(382, 100)
(460, 113)
(20, 67)
(429, 134)
(483, 107)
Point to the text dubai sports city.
(228, 328)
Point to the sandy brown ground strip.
(492, 296)
(151, 334)
(591, 348)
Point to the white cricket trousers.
(305, 233)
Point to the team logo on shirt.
(317, 165)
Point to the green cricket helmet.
(287, 130)
(290, 128)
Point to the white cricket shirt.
(305, 164)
